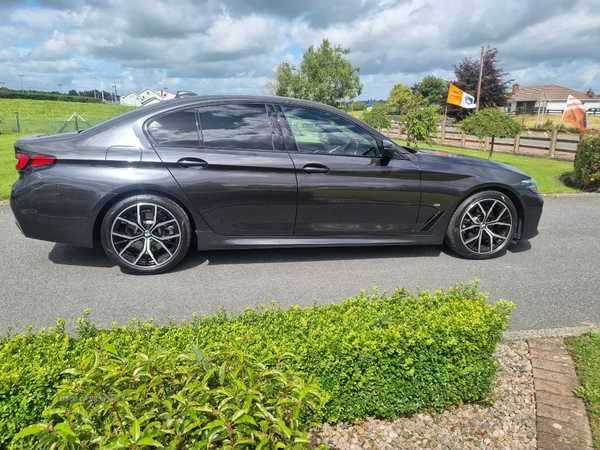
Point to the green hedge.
(586, 174)
(48, 96)
(371, 355)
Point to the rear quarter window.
(177, 130)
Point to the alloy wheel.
(145, 235)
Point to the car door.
(224, 159)
(345, 187)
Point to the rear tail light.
(26, 161)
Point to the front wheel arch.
(483, 225)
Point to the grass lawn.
(586, 354)
(555, 121)
(50, 110)
(8, 174)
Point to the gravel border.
(507, 423)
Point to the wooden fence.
(554, 144)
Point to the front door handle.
(192, 163)
(315, 168)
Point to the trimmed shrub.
(221, 398)
(586, 174)
(372, 355)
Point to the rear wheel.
(146, 234)
(483, 226)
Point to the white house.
(524, 100)
(145, 97)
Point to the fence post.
(517, 143)
(463, 138)
(17, 122)
(76, 123)
(553, 143)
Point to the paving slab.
(562, 421)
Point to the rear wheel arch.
(117, 198)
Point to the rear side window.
(236, 126)
(176, 130)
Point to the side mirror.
(388, 149)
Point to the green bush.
(47, 96)
(371, 355)
(586, 174)
(377, 117)
(221, 398)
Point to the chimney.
(590, 93)
(515, 88)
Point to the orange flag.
(575, 113)
(458, 97)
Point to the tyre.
(146, 234)
(483, 226)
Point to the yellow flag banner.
(460, 98)
(575, 113)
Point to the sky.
(218, 47)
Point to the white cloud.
(225, 46)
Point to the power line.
(552, 32)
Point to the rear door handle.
(192, 163)
(315, 168)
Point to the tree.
(432, 88)
(359, 106)
(494, 90)
(421, 123)
(271, 84)
(377, 117)
(490, 122)
(401, 99)
(324, 76)
(417, 121)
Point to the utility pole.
(22, 90)
(93, 78)
(479, 83)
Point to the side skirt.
(211, 241)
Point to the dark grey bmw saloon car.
(251, 172)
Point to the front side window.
(236, 126)
(320, 132)
(177, 130)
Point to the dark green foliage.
(47, 96)
(371, 355)
(432, 89)
(220, 397)
(377, 117)
(586, 174)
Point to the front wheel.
(483, 226)
(146, 234)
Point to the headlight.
(530, 184)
